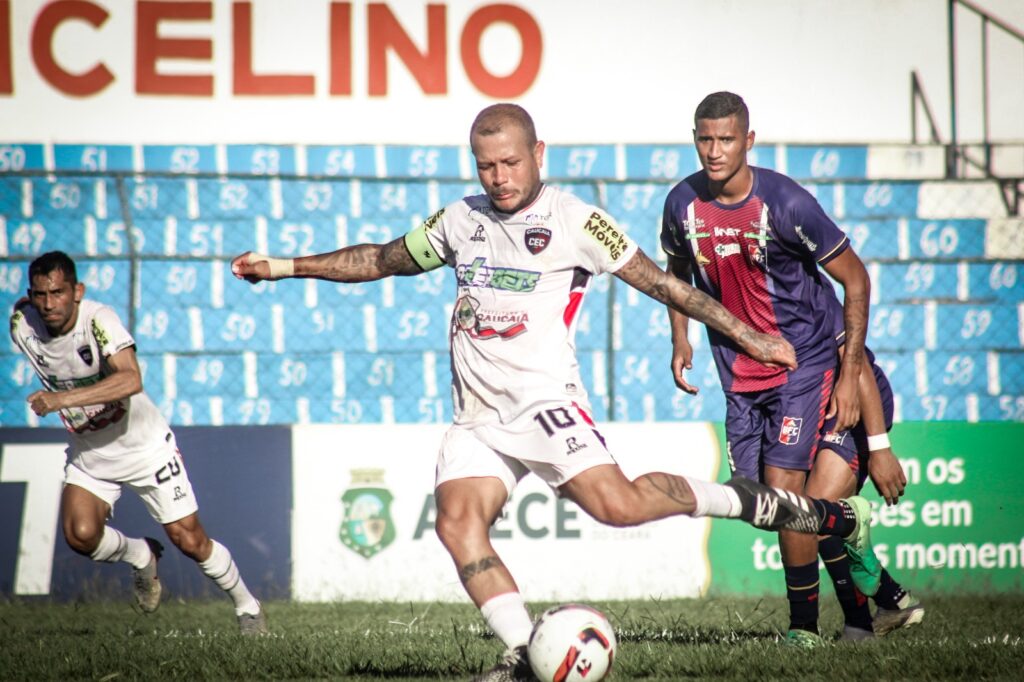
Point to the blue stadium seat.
(16, 157)
(581, 161)
(179, 235)
(198, 376)
(406, 327)
(645, 390)
(847, 162)
(12, 194)
(978, 327)
(232, 198)
(873, 238)
(957, 372)
(156, 197)
(182, 283)
(1007, 407)
(936, 406)
(878, 200)
(644, 321)
(946, 239)
(295, 375)
(316, 199)
(389, 201)
(899, 282)
(1001, 281)
(901, 370)
(261, 159)
(183, 158)
(450, 192)
(897, 327)
(1011, 372)
(410, 161)
(342, 160)
(67, 198)
(160, 329)
(93, 157)
(638, 208)
(302, 237)
(660, 162)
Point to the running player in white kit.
(524, 255)
(85, 359)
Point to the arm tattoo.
(360, 263)
(469, 570)
(672, 487)
(642, 274)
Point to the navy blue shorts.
(852, 445)
(779, 427)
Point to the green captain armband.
(421, 250)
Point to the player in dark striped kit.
(757, 242)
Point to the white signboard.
(363, 529)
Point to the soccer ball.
(572, 643)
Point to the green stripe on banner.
(958, 528)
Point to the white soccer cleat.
(146, 582)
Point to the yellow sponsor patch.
(607, 234)
(431, 222)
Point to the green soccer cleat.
(803, 639)
(145, 582)
(865, 568)
(909, 613)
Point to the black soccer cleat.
(513, 667)
(774, 508)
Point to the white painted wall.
(811, 71)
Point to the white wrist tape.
(879, 442)
(279, 267)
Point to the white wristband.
(279, 267)
(879, 442)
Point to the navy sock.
(837, 518)
(802, 591)
(856, 612)
(889, 593)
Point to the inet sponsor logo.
(789, 434)
(607, 234)
(727, 232)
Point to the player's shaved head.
(723, 105)
(499, 117)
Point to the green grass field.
(720, 638)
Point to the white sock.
(714, 499)
(221, 569)
(506, 615)
(114, 546)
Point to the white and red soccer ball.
(572, 643)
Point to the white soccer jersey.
(113, 441)
(521, 279)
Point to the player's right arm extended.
(642, 274)
(682, 351)
(359, 263)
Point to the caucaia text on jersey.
(476, 274)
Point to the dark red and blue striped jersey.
(760, 259)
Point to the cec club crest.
(367, 527)
(537, 239)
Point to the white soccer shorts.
(167, 493)
(555, 442)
